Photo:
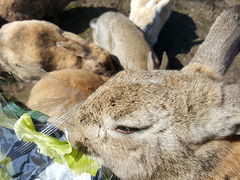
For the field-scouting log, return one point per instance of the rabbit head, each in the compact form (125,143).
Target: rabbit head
(167,124)
(150,16)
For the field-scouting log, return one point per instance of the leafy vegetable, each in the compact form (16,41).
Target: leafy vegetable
(61,151)
(6,168)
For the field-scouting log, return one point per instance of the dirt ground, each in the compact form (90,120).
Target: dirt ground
(180,38)
(186,28)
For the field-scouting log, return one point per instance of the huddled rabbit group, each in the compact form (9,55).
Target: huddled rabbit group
(142,122)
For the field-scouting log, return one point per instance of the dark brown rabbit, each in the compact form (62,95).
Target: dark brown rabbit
(15,10)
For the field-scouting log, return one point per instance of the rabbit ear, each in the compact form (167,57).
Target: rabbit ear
(218,124)
(93,23)
(220,46)
(74,37)
(152,61)
(165,61)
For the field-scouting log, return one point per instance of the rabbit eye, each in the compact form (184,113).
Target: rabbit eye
(128,130)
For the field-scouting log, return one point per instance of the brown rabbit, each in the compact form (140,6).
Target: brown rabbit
(60,90)
(169,125)
(28,46)
(115,33)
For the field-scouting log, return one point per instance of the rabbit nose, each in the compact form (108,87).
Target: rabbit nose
(101,132)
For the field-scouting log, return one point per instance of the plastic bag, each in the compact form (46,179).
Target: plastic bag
(25,160)
(21,160)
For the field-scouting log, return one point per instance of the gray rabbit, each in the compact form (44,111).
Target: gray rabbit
(169,125)
(115,33)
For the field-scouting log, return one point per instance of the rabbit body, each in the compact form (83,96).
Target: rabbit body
(115,33)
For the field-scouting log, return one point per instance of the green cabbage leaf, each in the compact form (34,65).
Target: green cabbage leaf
(61,151)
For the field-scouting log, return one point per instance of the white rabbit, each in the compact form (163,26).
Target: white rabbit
(169,124)
(150,16)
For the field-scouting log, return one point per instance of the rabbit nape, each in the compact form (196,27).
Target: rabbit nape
(169,124)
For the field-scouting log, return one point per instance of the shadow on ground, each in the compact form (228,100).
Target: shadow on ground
(2,22)
(178,36)
(77,20)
